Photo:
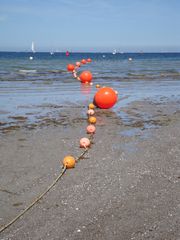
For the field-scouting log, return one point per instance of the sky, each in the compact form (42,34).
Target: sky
(90,25)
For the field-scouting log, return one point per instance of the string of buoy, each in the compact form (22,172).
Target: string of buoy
(104,98)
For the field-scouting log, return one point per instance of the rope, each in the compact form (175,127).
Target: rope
(54,182)
(86,149)
(34,202)
(47,190)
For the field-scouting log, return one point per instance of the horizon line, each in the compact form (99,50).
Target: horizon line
(122,52)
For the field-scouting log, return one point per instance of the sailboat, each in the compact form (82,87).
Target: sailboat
(32,47)
(114,51)
(33,50)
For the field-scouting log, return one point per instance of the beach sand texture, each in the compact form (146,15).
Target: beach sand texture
(126,187)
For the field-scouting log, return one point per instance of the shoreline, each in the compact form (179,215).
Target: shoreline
(126,187)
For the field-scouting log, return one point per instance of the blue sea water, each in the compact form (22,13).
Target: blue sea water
(35,87)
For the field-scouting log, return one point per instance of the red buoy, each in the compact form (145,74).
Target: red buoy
(89,60)
(86,77)
(105,97)
(67,53)
(83,61)
(70,67)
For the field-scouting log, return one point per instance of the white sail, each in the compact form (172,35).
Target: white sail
(32,47)
(114,51)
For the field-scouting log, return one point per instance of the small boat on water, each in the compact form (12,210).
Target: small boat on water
(114,52)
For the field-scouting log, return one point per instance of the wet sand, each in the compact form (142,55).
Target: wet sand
(126,187)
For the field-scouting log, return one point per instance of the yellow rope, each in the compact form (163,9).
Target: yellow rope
(47,190)
(34,202)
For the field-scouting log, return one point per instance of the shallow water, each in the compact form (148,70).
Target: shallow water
(33,89)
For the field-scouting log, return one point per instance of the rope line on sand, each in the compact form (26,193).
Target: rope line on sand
(42,195)
(69,161)
(34,202)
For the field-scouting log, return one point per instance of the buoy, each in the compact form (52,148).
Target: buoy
(98,86)
(90,112)
(86,77)
(89,60)
(83,61)
(105,97)
(69,162)
(92,120)
(70,67)
(74,74)
(84,142)
(91,106)
(67,53)
(91,128)
(78,64)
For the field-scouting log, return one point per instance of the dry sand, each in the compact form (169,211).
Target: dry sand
(126,187)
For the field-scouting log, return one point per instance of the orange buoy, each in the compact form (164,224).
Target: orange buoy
(89,60)
(86,77)
(98,86)
(83,61)
(69,162)
(78,64)
(106,97)
(90,112)
(84,142)
(91,128)
(91,106)
(70,67)
(92,120)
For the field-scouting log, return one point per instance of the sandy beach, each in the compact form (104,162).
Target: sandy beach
(126,187)
(57,60)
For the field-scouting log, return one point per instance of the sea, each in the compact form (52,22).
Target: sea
(36,85)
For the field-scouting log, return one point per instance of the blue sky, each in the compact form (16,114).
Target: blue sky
(90,25)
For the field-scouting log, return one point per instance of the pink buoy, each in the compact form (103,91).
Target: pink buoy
(91,128)
(90,112)
(85,142)
(78,64)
